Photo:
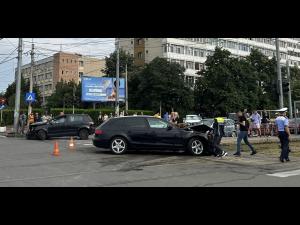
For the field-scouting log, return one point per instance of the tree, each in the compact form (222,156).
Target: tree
(63,95)
(227,84)
(10,94)
(161,82)
(111,61)
(264,70)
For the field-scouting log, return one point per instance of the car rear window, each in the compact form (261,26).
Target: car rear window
(87,118)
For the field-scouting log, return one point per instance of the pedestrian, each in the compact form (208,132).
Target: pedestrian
(22,122)
(157,115)
(31,118)
(44,118)
(105,117)
(243,134)
(218,134)
(100,119)
(166,116)
(283,131)
(37,118)
(61,113)
(265,123)
(256,120)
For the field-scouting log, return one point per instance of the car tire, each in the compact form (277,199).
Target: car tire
(83,134)
(195,146)
(118,145)
(42,135)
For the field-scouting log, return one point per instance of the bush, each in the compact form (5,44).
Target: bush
(8,114)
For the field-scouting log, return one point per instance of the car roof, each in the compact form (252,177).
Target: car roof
(138,116)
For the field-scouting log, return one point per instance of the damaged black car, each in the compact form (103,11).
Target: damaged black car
(146,132)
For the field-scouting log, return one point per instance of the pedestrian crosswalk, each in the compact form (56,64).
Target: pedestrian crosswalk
(286,173)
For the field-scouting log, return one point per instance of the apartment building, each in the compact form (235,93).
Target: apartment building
(62,66)
(191,53)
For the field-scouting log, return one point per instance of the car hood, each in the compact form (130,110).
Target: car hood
(199,128)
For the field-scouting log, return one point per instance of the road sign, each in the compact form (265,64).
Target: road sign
(30,97)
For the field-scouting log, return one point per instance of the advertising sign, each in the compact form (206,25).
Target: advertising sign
(101,89)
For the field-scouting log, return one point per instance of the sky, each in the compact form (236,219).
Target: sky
(45,47)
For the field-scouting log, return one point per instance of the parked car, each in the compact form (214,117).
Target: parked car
(71,125)
(146,132)
(229,128)
(191,120)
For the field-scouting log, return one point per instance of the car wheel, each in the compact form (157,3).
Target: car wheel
(233,134)
(84,134)
(118,145)
(42,135)
(195,146)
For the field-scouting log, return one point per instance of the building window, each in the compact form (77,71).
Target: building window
(189,65)
(80,74)
(139,41)
(62,72)
(146,51)
(81,63)
(63,60)
(140,55)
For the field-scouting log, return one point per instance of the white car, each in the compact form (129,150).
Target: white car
(192,120)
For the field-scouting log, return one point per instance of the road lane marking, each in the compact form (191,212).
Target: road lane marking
(88,144)
(286,174)
(2,136)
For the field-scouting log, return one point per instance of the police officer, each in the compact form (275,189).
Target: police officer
(282,124)
(218,133)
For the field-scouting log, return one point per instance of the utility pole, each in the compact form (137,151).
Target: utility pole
(74,89)
(290,87)
(18,86)
(126,89)
(279,78)
(31,79)
(117,77)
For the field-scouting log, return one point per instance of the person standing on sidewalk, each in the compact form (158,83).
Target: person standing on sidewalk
(243,134)
(282,124)
(256,121)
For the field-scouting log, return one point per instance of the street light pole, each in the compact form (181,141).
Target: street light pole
(126,88)
(117,78)
(279,78)
(31,79)
(290,91)
(18,86)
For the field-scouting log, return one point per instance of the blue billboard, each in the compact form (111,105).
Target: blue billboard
(101,89)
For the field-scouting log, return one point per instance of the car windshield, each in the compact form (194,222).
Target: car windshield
(193,117)
(207,122)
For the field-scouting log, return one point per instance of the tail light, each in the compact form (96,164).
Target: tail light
(98,132)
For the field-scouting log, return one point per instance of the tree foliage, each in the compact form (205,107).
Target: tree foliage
(10,94)
(160,82)
(228,84)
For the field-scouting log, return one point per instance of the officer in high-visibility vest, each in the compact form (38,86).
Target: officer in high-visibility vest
(218,132)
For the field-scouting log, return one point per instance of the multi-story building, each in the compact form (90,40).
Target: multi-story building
(191,53)
(62,66)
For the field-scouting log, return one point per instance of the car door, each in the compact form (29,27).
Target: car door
(57,127)
(164,134)
(137,132)
(72,124)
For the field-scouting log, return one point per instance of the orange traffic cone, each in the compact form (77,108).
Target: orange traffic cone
(56,149)
(71,144)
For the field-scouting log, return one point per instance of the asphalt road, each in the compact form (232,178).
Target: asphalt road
(26,163)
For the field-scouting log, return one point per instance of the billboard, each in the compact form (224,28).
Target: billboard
(101,89)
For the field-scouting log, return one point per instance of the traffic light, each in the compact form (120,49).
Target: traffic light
(285,86)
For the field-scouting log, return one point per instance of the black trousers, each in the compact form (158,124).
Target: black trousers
(216,150)
(284,140)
